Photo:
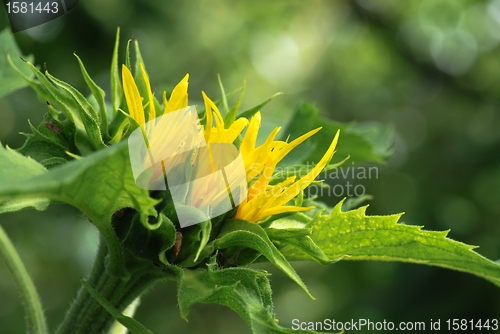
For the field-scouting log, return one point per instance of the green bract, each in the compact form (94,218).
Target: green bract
(78,155)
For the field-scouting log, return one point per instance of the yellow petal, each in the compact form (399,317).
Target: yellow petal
(132,96)
(259,186)
(235,130)
(208,115)
(260,158)
(294,143)
(179,96)
(307,179)
(248,142)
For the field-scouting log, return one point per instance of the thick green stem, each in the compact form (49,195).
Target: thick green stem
(32,305)
(86,315)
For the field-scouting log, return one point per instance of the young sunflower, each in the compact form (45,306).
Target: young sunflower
(263,200)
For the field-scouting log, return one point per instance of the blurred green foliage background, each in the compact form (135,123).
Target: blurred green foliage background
(431,68)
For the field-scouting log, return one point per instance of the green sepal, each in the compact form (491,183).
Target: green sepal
(296,240)
(133,124)
(246,291)
(242,234)
(252,111)
(224,97)
(53,130)
(127,55)
(99,95)
(286,233)
(119,127)
(299,171)
(87,113)
(116,86)
(141,84)
(191,239)
(142,241)
(305,247)
(218,103)
(43,149)
(231,115)
(288,220)
(195,239)
(138,59)
(68,106)
(166,206)
(42,93)
(206,228)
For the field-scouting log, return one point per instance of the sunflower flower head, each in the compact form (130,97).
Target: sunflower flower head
(263,199)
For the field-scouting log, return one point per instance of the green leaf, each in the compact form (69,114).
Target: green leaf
(9,79)
(240,233)
(118,328)
(99,185)
(369,143)
(131,324)
(245,291)
(356,236)
(16,167)
(39,204)
(141,83)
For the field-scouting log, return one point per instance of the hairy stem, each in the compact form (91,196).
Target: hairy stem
(32,305)
(86,314)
